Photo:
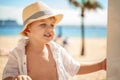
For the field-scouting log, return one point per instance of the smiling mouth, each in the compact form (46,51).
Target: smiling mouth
(48,35)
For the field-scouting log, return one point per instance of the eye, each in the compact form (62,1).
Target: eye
(52,25)
(43,25)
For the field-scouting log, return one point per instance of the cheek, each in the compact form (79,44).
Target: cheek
(38,31)
(34,33)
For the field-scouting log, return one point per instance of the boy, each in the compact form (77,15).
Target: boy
(36,56)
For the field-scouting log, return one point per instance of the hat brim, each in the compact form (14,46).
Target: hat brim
(58,18)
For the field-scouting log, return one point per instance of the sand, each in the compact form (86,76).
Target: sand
(95,50)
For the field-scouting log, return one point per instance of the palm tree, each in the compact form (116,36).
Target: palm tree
(83,5)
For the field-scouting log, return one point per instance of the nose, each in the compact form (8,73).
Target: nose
(50,28)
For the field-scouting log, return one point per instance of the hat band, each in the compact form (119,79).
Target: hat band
(36,15)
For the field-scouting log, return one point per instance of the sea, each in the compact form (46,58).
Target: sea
(65,31)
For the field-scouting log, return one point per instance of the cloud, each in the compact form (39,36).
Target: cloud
(72,17)
(13,13)
(98,17)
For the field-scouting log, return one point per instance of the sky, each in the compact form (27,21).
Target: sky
(12,9)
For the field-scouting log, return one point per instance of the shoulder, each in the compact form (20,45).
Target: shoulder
(19,49)
(15,52)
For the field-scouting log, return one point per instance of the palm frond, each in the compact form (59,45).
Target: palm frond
(86,4)
(94,5)
(75,3)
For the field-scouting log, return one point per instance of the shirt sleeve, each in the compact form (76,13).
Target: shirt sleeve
(69,63)
(11,68)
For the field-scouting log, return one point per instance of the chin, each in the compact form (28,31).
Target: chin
(47,41)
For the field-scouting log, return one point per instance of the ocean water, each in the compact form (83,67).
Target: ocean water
(65,31)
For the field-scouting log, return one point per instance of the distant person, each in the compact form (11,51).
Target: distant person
(65,42)
(37,56)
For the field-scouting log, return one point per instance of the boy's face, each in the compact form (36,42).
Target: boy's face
(42,30)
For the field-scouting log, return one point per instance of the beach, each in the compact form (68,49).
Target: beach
(95,51)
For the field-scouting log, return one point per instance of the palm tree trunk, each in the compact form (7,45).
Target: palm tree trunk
(82,33)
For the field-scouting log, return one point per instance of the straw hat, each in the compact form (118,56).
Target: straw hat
(37,11)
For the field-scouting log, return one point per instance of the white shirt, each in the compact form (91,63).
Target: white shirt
(16,64)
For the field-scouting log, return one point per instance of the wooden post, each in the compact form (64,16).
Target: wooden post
(113,40)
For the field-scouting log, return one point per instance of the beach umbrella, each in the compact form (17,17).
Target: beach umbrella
(84,5)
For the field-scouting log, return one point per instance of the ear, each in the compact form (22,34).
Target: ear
(27,31)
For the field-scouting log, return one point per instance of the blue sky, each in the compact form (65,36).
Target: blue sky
(14,8)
